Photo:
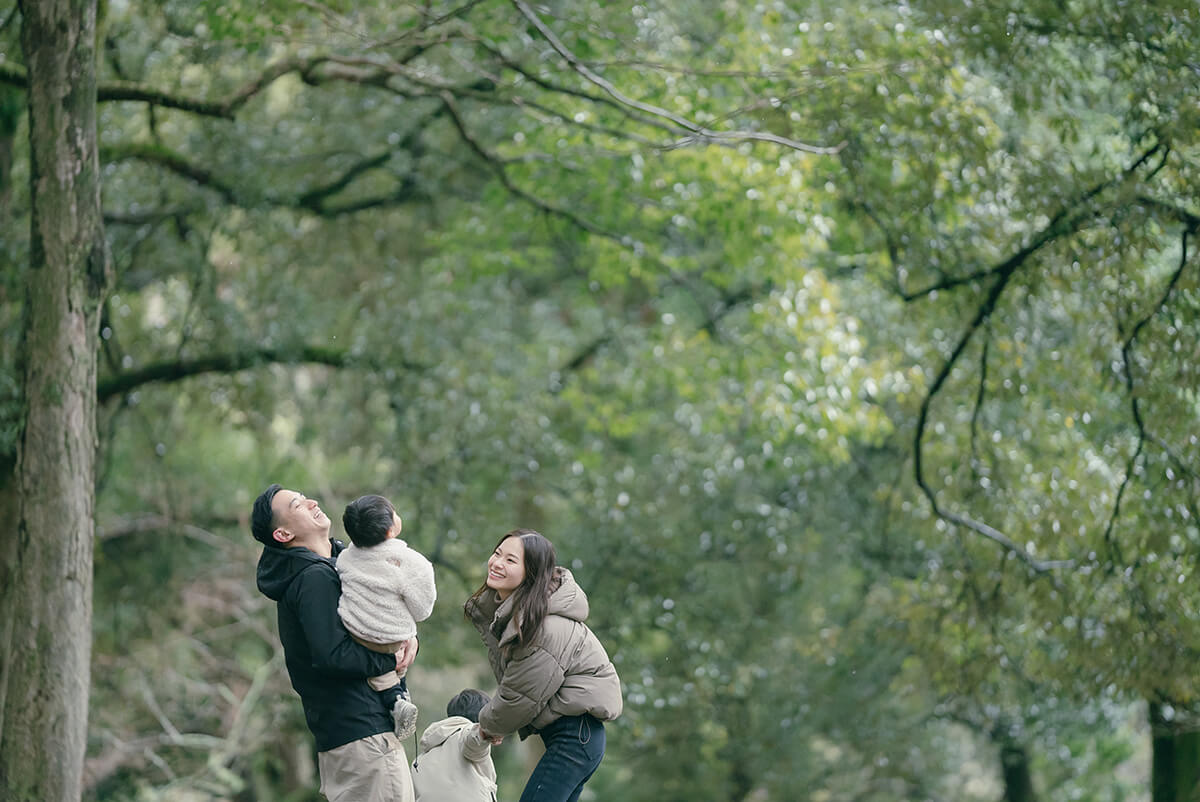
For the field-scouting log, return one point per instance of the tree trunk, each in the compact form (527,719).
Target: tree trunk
(48,490)
(1018,779)
(1175,761)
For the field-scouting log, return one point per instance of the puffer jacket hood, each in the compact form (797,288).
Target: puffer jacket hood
(567,599)
(278,567)
(564,671)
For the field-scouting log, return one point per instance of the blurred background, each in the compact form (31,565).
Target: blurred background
(847,353)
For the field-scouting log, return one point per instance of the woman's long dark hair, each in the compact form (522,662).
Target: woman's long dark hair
(532,597)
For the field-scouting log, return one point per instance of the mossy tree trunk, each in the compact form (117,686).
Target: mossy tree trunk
(47,489)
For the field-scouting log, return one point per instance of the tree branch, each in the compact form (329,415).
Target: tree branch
(980,395)
(695,133)
(16,75)
(1067,221)
(1134,400)
(156,523)
(1189,219)
(550,86)
(163,157)
(408,191)
(177,213)
(730,301)
(312,201)
(497,168)
(177,370)
(313,198)
(982,314)
(427,24)
(12,15)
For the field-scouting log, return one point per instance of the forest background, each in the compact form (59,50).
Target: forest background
(848,354)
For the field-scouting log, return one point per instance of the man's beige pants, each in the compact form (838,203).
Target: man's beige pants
(371,769)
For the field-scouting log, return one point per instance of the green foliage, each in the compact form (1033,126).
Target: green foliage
(431,259)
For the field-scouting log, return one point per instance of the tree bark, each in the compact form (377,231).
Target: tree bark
(48,487)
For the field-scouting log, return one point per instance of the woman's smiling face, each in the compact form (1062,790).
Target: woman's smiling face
(506,567)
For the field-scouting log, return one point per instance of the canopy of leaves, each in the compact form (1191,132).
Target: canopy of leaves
(847,354)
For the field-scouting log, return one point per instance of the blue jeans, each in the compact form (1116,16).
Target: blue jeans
(574,748)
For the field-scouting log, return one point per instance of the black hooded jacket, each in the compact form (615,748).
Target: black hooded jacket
(328,669)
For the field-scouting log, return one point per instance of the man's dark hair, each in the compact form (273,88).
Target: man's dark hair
(262,518)
(467,704)
(367,520)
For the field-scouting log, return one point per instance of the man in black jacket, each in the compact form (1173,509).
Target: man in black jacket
(359,757)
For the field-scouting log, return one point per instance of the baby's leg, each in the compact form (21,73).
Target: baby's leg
(385,681)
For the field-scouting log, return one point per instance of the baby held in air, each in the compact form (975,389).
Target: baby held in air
(387,588)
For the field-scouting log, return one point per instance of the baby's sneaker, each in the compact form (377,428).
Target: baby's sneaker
(404,718)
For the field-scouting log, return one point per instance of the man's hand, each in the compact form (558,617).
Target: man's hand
(496,740)
(407,653)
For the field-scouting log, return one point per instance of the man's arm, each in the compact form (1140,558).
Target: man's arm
(332,649)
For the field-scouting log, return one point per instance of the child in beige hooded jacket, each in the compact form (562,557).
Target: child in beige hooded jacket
(454,760)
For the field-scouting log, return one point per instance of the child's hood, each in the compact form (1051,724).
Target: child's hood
(439,732)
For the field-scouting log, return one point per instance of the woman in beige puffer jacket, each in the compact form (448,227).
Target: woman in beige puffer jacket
(555,678)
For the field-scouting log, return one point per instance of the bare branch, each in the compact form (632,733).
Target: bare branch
(1189,219)
(1066,222)
(312,199)
(120,754)
(985,310)
(149,217)
(156,710)
(119,91)
(550,86)
(12,15)
(558,378)
(225,109)
(155,523)
(982,314)
(696,134)
(233,362)
(428,24)
(407,192)
(234,745)
(155,154)
(497,168)
(729,301)
(114,91)
(980,395)
(1134,400)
